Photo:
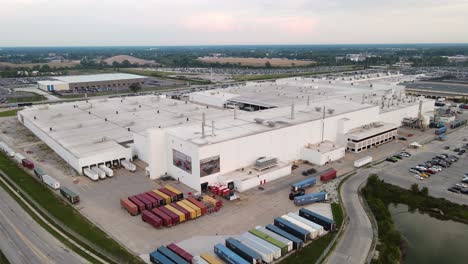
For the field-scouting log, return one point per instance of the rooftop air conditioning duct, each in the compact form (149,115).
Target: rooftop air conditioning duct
(271,123)
(259,120)
(331,111)
(318,108)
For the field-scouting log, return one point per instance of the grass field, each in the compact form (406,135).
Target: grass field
(257,62)
(67,214)
(3,259)
(32,97)
(9,113)
(30,65)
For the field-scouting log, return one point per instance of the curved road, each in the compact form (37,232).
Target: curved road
(355,243)
(23,240)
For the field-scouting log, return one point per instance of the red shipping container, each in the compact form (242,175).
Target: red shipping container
(167,220)
(172,215)
(27,164)
(151,219)
(138,203)
(182,210)
(129,206)
(169,193)
(161,200)
(329,175)
(198,203)
(179,251)
(147,203)
(154,202)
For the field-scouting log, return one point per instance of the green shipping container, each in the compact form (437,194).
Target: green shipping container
(71,196)
(271,240)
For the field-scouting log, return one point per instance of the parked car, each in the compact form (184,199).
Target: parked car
(421,168)
(413,170)
(396,156)
(457,149)
(392,159)
(453,189)
(402,138)
(418,177)
(422,174)
(405,154)
(446,147)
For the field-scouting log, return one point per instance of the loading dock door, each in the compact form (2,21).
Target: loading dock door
(204,187)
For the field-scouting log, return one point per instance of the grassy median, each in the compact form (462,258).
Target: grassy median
(3,259)
(67,215)
(9,113)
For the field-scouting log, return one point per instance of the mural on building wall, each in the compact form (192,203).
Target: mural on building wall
(209,166)
(182,161)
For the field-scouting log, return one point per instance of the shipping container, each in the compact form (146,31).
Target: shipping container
(131,208)
(171,255)
(169,193)
(128,165)
(182,210)
(199,260)
(243,251)
(177,212)
(141,206)
(310,198)
(174,217)
(19,158)
(212,201)
(227,255)
(281,239)
(8,151)
(148,204)
(71,196)
(39,172)
(313,233)
(160,201)
(291,228)
(100,173)
(198,204)
(210,259)
(327,223)
(27,164)
(297,243)
(319,228)
(328,175)
(51,182)
(440,130)
(150,218)
(266,253)
(109,172)
(180,195)
(154,202)
(158,258)
(194,207)
(276,250)
(271,240)
(363,161)
(304,184)
(181,252)
(91,174)
(163,195)
(193,213)
(167,220)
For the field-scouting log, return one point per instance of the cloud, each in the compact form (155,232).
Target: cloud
(210,22)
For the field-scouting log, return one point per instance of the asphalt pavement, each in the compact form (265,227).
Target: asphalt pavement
(22,240)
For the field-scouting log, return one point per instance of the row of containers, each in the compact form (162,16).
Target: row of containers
(40,174)
(260,245)
(167,206)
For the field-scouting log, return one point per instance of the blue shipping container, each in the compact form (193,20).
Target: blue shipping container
(158,258)
(244,251)
(310,198)
(440,130)
(291,228)
(327,223)
(297,243)
(171,255)
(227,255)
(307,183)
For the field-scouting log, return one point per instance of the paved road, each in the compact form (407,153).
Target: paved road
(354,245)
(22,240)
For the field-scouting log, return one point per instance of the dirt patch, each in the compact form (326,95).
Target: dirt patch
(65,64)
(131,59)
(257,62)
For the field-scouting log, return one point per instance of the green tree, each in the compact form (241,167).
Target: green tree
(415,188)
(268,64)
(135,87)
(424,191)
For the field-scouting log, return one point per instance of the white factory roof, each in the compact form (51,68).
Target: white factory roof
(49,82)
(97,77)
(370,130)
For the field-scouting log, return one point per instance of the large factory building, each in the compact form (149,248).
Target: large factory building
(244,135)
(110,80)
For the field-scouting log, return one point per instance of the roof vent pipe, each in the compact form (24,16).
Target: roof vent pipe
(292,110)
(212,128)
(308,100)
(203,125)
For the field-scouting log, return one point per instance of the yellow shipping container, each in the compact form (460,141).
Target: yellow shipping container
(180,195)
(210,259)
(208,199)
(163,195)
(194,207)
(193,213)
(177,212)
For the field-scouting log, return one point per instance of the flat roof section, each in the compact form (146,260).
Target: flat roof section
(370,130)
(98,77)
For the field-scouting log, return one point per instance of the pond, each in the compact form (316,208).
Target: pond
(430,240)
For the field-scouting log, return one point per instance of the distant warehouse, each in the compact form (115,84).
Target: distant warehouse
(95,81)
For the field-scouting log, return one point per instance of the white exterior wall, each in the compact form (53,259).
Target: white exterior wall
(57,86)
(141,147)
(396,116)
(320,158)
(102,157)
(157,153)
(189,149)
(244,185)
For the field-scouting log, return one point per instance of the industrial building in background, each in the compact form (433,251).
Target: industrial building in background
(242,136)
(95,81)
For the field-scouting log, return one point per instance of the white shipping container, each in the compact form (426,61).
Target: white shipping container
(313,233)
(276,236)
(128,165)
(276,250)
(109,172)
(4,147)
(53,183)
(19,158)
(266,254)
(198,260)
(363,161)
(301,219)
(99,172)
(91,174)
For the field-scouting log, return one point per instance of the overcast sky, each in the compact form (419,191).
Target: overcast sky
(217,22)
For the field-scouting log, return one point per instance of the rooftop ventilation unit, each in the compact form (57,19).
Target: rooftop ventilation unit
(259,120)
(271,123)
(318,109)
(331,111)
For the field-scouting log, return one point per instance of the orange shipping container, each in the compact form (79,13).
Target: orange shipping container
(129,206)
